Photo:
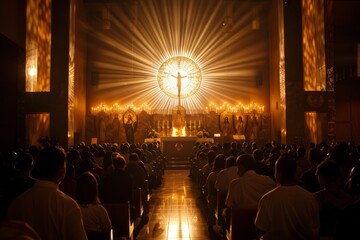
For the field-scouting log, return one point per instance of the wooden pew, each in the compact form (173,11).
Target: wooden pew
(242,226)
(119,214)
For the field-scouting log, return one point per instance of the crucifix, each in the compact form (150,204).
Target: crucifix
(178,77)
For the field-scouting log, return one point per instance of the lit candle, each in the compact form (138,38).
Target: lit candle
(199,123)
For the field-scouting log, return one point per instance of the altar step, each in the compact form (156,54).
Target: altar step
(177,163)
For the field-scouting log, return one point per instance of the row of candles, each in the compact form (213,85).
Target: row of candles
(192,123)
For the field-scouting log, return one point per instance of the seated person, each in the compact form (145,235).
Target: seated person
(94,215)
(48,210)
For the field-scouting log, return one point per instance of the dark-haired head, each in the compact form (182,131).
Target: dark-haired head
(87,189)
(51,163)
(245,162)
(24,162)
(119,162)
(285,169)
(134,157)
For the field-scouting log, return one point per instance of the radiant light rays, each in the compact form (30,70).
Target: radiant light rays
(129,55)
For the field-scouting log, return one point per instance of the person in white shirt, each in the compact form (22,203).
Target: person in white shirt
(51,213)
(246,191)
(288,211)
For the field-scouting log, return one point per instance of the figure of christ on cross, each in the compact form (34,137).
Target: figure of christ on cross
(179,77)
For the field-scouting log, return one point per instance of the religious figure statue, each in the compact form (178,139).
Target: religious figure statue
(178,84)
(255,129)
(226,129)
(240,129)
(129,125)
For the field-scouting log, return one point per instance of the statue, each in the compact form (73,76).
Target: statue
(240,129)
(254,129)
(178,84)
(129,125)
(226,129)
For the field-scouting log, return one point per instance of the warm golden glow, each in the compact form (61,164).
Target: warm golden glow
(178,132)
(315,126)
(116,108)
(145,35)
(239,108)
(36,126)
(38,43)
(190,75)
(282,71)
(71,86)
(313,45)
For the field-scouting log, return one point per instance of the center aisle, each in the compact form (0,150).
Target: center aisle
(174,212)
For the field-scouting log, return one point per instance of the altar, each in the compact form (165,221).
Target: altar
(178,147)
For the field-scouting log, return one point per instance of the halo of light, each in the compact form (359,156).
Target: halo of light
(190,77)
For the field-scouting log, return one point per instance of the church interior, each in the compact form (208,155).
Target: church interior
(179,73)
(76,71)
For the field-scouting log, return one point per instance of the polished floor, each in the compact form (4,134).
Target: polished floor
(175,212)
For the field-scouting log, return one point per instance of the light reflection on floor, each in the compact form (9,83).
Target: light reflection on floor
(173,210)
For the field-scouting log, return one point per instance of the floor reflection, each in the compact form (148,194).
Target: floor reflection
(174,213)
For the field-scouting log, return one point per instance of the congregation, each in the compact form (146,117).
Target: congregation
(279,191)
(287,191)
(69,194)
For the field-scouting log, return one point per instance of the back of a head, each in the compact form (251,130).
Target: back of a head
(73,156)
(286,165)
(258,155)
(51,160)
(86,165)
(219,162)
(214,148)
(24,162)
(301,151)
(272,159)
(119,162)
(211,156)
(328,170)
(137,151)
(202,156)
(133,157)
(246,161)
(248,149)
(231,161)
(86,189)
